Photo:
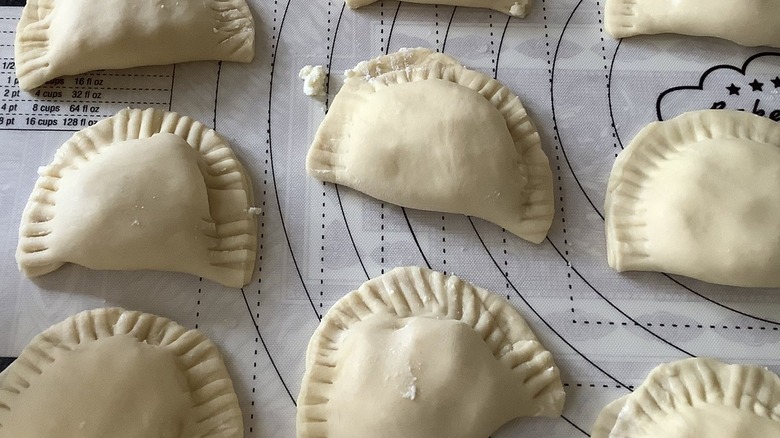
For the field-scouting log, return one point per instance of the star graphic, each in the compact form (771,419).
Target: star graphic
(776,82)
(757,86)
(733,90)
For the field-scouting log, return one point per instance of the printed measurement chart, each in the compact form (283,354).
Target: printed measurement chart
(588,94)
(72,103)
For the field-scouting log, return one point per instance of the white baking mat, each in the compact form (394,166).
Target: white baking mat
(588,94)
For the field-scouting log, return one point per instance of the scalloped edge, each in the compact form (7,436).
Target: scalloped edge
(628,18)
(31,48)
(706,382)
(607,418)
(200,361)
(414,291)
(620,18)
(412,65)
(224,172)
(627,244)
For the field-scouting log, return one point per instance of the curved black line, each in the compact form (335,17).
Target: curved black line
(447,32)
(721,305)
(512,285)
(330,58)
(5,362)
(327,107)
(403,210)
(349,232)
(392,27)
(535,312)
(216,95)
(609,95)
(582,189)
(611,304)
(500,47)
(265,347)
(575,426)
(173,81)
(495,262)
(414,237)
(271,157)
(742,71)
(555,119)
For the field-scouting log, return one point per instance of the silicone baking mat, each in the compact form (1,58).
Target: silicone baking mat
(588,94)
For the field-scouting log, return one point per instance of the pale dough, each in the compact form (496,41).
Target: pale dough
(697,398)
(418,354)
(120,374)
(607,418)
(516,8)
(67,37)
(698,196)
(417,129)
(746,22)
(142,190)
(314,77)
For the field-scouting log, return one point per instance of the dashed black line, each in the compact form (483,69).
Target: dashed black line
(384,49)
(559,182)
(269,163)
(134,75)
(274,51)
(382,237)
(322,249)
(328,49)
(197,303)
(444,243)
(436,26)
(492,46)
(87,102)
(67,87)
(327,107)
(607,68)
(587,196)
(596,385)
(676,325)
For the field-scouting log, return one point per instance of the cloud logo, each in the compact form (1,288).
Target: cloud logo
(755,87)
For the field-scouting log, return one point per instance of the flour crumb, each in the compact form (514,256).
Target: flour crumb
(411,392)
(313,80)
(256,211)
(411,388)
(520,8)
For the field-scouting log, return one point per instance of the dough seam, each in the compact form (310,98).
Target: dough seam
(210,386)
(627,247)
(234,248)
(696,383)
(620,17)
(32,43)
(407,292)
(750,23)
(412,65)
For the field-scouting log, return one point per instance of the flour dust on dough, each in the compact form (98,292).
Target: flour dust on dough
(142,190)
(123,374)
(419,130)
(698,196)
(418,354)
(698,398)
